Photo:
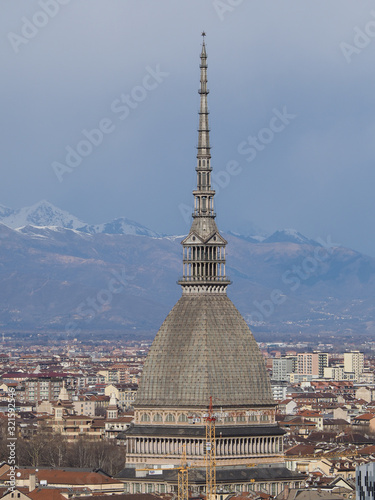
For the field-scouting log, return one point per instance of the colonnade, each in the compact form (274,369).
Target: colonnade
(225,447)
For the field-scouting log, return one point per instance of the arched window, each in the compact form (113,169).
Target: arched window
(170,418)
(145,417)
(157,418)
(182,418)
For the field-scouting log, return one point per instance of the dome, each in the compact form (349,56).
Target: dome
(204,348)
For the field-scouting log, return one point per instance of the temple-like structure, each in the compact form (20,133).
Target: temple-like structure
(204,349)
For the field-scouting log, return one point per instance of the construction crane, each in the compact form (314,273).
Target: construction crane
(183,477)
(210,454)
(210,459)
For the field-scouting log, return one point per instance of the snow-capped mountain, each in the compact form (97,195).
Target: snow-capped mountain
(42,213)
(289,236)
(46,273)
(120,226)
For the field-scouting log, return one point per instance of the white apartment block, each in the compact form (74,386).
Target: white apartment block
(354,362)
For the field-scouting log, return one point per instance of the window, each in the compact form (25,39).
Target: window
(145,417)
(136,488)
(170,418)
(182,418)
(158,418)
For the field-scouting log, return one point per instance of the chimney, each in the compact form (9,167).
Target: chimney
(32,482)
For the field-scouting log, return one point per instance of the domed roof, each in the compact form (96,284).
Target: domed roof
(204,348)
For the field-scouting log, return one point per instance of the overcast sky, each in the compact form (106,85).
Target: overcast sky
(295,79)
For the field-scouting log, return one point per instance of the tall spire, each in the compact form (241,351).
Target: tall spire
(204,247)
(204,195)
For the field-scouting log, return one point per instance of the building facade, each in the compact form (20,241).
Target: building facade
(354,363)
(204,351)
(312,364)
(365,482)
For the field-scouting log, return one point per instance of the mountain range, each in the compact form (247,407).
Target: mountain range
(44,214)
(62,276)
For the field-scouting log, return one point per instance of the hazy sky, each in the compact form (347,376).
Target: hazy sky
(292,105)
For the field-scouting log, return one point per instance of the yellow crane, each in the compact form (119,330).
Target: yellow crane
(182,475)
(210,459)
(183,478)
(210,454)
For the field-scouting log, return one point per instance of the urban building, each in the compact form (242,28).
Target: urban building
(312,364)
(204,365)
(282,368)
(354,363)
(43,387)
(365,481)
(125,394)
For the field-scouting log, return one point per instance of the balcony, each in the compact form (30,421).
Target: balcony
(204,279)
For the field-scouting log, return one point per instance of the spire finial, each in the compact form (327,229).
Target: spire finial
(204,247)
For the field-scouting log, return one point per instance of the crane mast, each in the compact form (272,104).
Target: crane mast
(210,454)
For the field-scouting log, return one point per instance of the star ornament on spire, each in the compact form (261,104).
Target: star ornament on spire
(203,34)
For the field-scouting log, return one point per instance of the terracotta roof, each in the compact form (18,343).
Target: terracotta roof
(300,449)
(46,494)
(309,413)
(125,496)
(365,417)
(367,450)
